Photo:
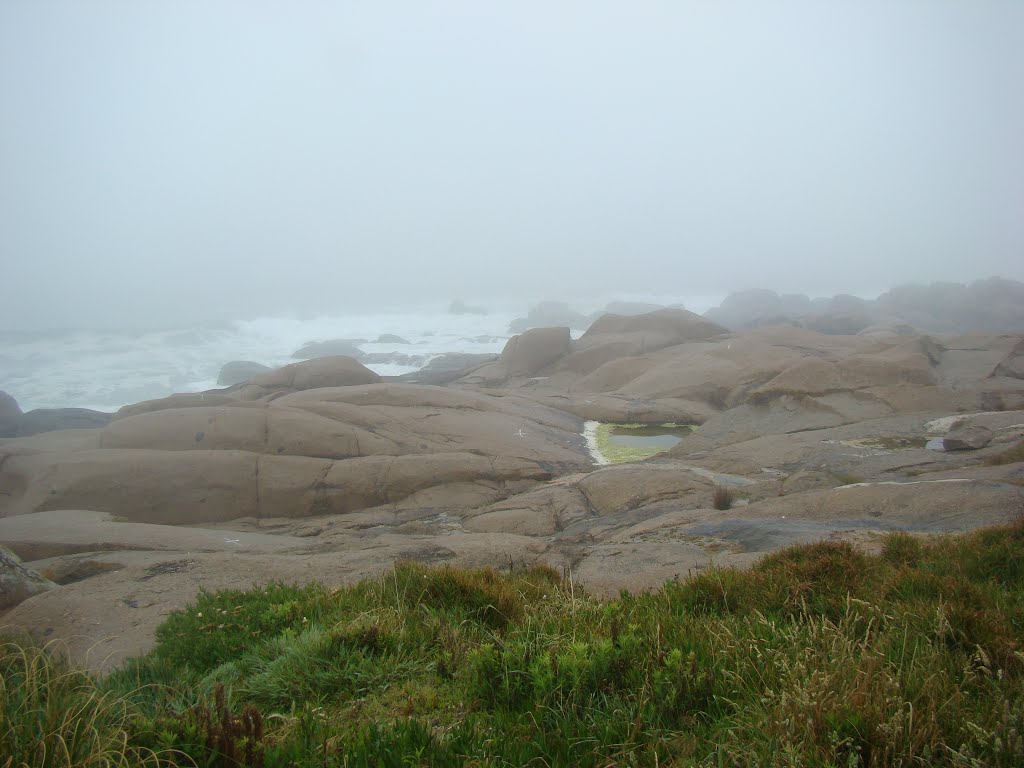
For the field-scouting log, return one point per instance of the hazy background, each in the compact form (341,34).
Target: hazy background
(181,161)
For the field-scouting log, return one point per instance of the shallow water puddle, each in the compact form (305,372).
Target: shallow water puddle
(617,443)
(658,437)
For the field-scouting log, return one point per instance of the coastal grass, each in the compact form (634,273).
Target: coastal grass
(55,716)
(818,655)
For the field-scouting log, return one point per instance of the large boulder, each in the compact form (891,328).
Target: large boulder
(719,374)
(10,415)
(41,420)
(176,487)
(197,487)
(612,337)
(18,583)
(311,452)
(238,371)
(337,371)
(446,368)
(789,413)
(534,350)
(743,308)
(180,400)
(525,355)
(1012,366)
(390,338)
(909,363)
(967,437)
(985,305)
(662,328)
(330,348)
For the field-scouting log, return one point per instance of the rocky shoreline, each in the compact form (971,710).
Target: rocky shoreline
(323,470)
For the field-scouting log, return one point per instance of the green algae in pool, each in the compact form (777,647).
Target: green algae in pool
(633,442)
(646,436)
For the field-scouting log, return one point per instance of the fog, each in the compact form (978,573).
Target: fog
(186,161)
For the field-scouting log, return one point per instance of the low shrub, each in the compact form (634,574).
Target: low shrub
(722,497)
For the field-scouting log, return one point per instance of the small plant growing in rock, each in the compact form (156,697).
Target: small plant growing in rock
(722,498)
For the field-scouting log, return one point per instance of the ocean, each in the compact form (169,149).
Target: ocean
(104,370)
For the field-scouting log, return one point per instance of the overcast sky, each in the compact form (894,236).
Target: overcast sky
(174,161)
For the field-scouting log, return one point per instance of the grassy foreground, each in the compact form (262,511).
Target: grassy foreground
(818,656)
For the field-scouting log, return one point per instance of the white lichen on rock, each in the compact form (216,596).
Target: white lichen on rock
(590,435)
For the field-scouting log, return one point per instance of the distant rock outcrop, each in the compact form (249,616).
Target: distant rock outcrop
(390,338)
(986,305)
(446,368)
(664,327)
(549,314)
(14,423)
(237,371)
(611,340)
(629,308)
(331,348)
(459,307)
(618,336)
(744,309)
(392,358)
(333,371)
(10,415)
(41,420)
(839,324)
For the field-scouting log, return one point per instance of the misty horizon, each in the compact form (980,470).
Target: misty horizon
(166,165)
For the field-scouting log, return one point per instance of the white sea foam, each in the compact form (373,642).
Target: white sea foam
(104,370)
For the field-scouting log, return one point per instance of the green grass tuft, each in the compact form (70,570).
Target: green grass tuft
(55,716)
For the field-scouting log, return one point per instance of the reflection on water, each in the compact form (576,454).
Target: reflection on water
(657,437)
(643,441)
